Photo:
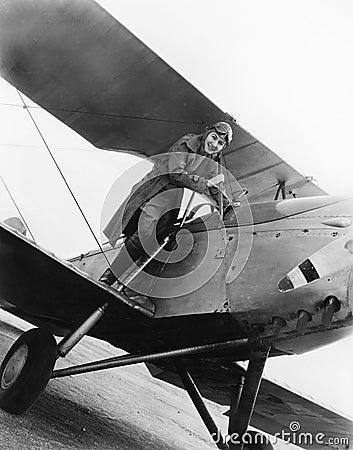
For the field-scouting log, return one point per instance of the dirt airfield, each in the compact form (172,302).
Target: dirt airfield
(121,408)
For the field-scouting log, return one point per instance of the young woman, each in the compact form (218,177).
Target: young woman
(150,211)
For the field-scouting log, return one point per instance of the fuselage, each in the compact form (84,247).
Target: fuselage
(236,267)
(286,235)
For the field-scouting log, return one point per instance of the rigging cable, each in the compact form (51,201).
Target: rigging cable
(18,209)
(27,107)
(93,113)
(263,191)
(60,171)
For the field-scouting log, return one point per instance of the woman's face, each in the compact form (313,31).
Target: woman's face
(214,143)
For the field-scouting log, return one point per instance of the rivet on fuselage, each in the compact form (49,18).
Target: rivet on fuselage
(303,318)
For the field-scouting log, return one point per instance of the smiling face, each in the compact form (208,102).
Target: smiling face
(214,143)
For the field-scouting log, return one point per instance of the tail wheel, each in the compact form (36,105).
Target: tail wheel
(26,370)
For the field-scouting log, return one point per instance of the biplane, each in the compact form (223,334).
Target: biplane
(292,294)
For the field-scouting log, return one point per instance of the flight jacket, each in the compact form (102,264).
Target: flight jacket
(176,168)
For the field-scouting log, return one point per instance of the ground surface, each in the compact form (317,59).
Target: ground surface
(121,408)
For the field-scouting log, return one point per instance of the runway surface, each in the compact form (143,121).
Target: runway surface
(121,408)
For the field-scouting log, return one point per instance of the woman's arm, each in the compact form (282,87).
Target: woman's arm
(179,176)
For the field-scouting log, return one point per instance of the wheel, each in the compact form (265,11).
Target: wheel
(26,370)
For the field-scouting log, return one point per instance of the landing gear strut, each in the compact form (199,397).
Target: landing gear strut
(197,400)
(29,364)
(240,418)
(243,398)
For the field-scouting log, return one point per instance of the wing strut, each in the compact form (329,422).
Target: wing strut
(281,190)
(197,400)
(239,419)
(235,396)
(243,398)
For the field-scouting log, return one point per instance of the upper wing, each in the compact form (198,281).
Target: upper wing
(76,61)
(276,407)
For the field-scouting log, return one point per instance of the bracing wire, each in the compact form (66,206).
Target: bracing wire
(223,160)
(263,191)
(103,114)
(40,147)
(28,107)
(59,170)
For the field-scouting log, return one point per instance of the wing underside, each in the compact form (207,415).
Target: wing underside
(84,67)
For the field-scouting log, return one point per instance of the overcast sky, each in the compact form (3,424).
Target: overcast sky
(284,69)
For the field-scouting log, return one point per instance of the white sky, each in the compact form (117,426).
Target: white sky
(282,68)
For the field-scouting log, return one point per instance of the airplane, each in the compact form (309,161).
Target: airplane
(294,290)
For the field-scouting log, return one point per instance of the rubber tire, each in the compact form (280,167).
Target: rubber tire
(35,373)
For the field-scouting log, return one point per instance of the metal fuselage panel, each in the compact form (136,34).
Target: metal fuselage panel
(299,230)
(283,234)
(45,290)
